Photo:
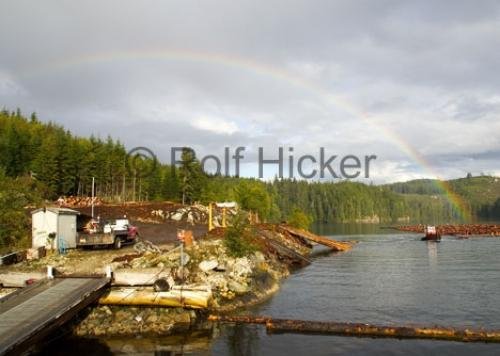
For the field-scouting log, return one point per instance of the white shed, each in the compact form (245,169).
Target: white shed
(60,222)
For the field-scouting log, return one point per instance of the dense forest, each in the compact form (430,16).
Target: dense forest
(482,193)
(42,161)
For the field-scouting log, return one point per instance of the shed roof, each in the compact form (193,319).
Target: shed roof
(59,211)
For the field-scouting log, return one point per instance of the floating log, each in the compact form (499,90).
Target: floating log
(334,245)
(185,298)
(19,279)
(364,330)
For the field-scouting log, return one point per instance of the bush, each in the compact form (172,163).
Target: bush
(238,238)
(15,195)
(299,219)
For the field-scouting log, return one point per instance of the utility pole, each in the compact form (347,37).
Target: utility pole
(93,182)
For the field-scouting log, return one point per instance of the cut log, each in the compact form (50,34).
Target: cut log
(365,330)
(143,277)
(195,299)
(192,287)
(334,245)
(19,279)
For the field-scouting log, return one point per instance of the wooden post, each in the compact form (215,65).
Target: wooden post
(210,219)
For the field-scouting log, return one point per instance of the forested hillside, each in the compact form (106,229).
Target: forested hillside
(482,194)
(44,161)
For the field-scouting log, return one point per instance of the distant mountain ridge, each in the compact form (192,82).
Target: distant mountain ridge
(481,193)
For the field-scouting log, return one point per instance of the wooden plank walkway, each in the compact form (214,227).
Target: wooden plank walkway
(34,312)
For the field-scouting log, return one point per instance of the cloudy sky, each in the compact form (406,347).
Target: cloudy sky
(414,82)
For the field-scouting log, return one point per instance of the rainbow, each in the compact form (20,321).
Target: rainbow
(254,67)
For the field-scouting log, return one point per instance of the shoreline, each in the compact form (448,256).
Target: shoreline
(214,278)
(120,321)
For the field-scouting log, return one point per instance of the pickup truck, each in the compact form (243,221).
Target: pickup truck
(113,233)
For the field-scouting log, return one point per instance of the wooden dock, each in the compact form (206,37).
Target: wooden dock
(30,314)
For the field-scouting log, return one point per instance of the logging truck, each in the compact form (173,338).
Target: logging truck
(115,233)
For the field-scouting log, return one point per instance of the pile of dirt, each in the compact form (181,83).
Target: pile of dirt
(160,213)
(134,211)
(166,232)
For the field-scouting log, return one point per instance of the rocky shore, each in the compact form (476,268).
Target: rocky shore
(235,282)
(106,320)
(207,264)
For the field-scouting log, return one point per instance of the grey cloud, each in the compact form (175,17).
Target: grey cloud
(301,73)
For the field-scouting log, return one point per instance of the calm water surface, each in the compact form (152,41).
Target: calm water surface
(388,278)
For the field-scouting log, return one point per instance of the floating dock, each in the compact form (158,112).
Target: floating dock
(30,314)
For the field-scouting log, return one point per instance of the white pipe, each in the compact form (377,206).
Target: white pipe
(50,272)
(108,271)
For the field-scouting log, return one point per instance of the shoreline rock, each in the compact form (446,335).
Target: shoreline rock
(235,282)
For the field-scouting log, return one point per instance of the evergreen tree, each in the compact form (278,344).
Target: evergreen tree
(192,177)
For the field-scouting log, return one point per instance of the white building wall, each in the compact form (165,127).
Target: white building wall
(42,225)
(47,222)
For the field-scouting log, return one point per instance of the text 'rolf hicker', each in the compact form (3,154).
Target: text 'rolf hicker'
(307,166)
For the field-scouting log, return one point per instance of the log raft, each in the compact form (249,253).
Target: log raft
(456,230)
(364,330)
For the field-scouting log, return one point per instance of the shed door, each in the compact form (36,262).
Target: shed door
(67,230)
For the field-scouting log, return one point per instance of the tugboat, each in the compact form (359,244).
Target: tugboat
(431,234)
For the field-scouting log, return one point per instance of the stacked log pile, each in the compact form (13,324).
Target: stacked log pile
(457,230)
(78,202)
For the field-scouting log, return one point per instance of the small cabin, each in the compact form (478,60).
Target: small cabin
(54,228)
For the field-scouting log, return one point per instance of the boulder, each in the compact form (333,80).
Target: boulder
(217,281)
(242,267)
(237,287)
(177,216)
(190,218)
(208,265)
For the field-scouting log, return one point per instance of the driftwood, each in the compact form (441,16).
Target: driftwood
(19,279)
(185,298)
(334,245)
(365,330)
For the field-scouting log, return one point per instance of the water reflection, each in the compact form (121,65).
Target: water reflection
(191,343)
(242,339)
(432,253)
